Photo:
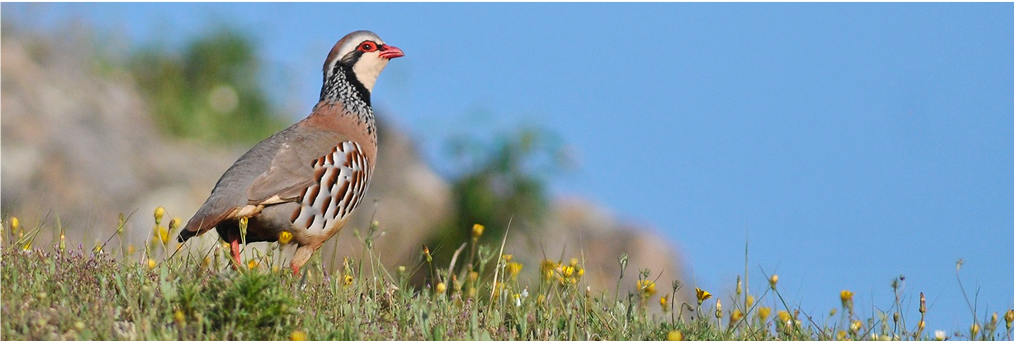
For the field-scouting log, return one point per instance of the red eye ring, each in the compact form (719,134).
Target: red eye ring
(368,46)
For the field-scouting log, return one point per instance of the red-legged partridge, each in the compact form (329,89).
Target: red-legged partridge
(308,178)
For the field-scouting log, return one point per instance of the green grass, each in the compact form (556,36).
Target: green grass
(51,292)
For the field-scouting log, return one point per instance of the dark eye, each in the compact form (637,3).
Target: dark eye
(368,46)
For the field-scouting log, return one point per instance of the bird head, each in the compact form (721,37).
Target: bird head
(362,52)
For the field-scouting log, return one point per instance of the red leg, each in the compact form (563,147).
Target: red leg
(235,253)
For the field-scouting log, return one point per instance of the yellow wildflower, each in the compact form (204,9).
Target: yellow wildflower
(1009,318)
(15,224)
(175,224)
(735,316)
(568,271)
(846,299)
(513,268)
(347,280)
(749,301)
(974,330)
(441,288)
(159,212)
(646,287)
(856,325)
(284,237)
(773,281)
(702,296)
(477,231)
(784,316)
(573,262)
(252,264)
(151,263)
(763,313)
(473,276)
(674,335)
(840,335)
(297,336)
(508,258)
(163,235)
(664,302)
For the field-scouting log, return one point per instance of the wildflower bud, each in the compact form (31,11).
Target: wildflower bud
(252,264)
(763,313)
(922,303)
(477,231)
(784,316)
(921,325)
(151,263)
(897,316)
(179,317)
(297,336)
(159,212)
(507,258)
(426,254)
(974,330)
(992,322)
(674,335)
(833,312)
(1009,318)
(15,224)
(718,308)
(573,262)
(63,241)
(749,301)
(243,223)
(773,281)
(623,262)
(664,303)
(401,269)
(174,224)
(163,236)
(940,335)
(739,286)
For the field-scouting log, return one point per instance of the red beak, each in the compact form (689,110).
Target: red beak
(390,52)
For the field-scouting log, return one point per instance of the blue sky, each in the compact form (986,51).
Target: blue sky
(851,143)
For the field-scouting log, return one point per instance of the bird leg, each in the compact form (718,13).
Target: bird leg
(302,255)
(235,253)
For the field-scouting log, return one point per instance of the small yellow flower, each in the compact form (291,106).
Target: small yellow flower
(784,316)
(15,224)
(441,288)
(159,212)
(735,316)
(513,268)
(763,313)
(252,264)
(846,298)
(473,276)
(773,281)
(131,250)
(568,271)
(674,335)
(63,241)
(646,287)
(702,296)
(347,280)
(97,249)
(151,263)
(856,325)
(507,258)
(477,231)
(749,301)
(974,330)
(175,224)
(163,235)
(664,302)
(297,336)
(179,317)
(284,237)
(840,335)
(573,262)
(1009,318)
